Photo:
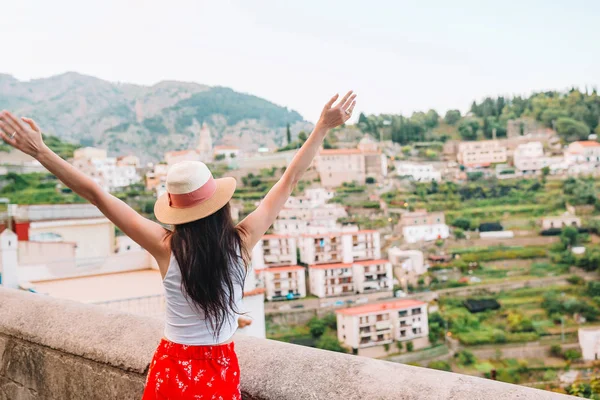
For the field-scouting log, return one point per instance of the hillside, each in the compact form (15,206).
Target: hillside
(146,120)
(574,115)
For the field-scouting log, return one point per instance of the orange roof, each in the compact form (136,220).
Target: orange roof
(371,262)
(273,236)
(286,268)
(179,152)
(339,152)
(372,308)
(254,292)
(588,143)
(225,147)
(330,266)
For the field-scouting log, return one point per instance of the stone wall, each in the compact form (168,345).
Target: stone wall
(56,349)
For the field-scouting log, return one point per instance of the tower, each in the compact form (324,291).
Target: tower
(205,147)
(8,259)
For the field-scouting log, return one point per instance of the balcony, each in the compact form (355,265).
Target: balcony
(56,349)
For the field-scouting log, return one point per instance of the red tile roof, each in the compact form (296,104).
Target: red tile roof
(179,152)
(330,266)
(225,147)
(372,308)
(254,292)
(588,143)
(339,152)
(286,268)
(371,262)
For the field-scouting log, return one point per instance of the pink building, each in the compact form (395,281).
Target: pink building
(336,166)
(367,329)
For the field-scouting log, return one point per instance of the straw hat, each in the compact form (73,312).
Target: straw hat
(192,193)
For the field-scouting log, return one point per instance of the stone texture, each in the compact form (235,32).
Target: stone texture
(54,349)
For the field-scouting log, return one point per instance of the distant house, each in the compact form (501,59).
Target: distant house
(421,225)
(336,166)
(561,221)
(226,152)
(418,172)
(583,152)
(589,341)
(482,153)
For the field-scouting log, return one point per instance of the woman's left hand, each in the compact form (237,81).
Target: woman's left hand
(22,134)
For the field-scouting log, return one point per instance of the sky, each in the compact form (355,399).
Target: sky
(399,56)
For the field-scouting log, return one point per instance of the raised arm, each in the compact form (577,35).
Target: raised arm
(256,224)
(24,134)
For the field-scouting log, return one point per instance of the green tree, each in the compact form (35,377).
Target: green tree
(302,136)
(571,129)
(462,222)
(410,346)
(370,180)
(317,327)
(330,343)
(288,133)
(465,357)
(452,117)
(468,129)
(569,236)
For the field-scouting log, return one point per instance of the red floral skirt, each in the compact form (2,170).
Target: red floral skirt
(184,372)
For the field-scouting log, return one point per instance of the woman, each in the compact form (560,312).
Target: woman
(203,260)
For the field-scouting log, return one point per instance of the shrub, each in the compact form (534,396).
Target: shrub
(410,346)
(399,345)
(465,357)
(556,350)
(441,365)
(572,355)
(459,233)
(386,347)
(317,327)
(575,280)
(330,343)
(370,180)
(462,223)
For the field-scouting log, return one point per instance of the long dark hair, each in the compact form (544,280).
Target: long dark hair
(209,252)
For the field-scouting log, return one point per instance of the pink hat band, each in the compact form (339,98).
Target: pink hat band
(187,200)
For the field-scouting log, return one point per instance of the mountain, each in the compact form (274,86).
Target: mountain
(146,120)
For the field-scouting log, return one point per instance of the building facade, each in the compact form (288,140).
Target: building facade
(285,283)
(421,225)
(274,251)
(583,152)
(589,341)
(367,329)
(417,171)
(481,153)
(561,221)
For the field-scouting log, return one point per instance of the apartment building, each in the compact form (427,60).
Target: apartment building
(583,152)
(336,166)
(106,171)
(287,282)
(418,172)
(421,225)
(367,329)
(529,159)
(274,251)
(341,246)
(481,153)
(157,176)
(408,260)
(338,279)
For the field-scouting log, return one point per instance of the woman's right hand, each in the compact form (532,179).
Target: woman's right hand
(22,134)
(334,116)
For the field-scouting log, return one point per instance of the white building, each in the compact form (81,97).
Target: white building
(287,282)
(105,171)
(340,247)
(589,341)
(421,225)
(411,261)
(227,152)
(418,172)
(274,251)
(367,329)
(253,307)
(529,159)
(583,152)
(481,153)
(561,221)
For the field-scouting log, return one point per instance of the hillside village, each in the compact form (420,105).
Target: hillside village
(468,243)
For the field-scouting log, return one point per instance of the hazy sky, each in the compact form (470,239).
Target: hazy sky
(399,56)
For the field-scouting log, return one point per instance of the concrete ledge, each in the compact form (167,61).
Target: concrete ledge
(54,349)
